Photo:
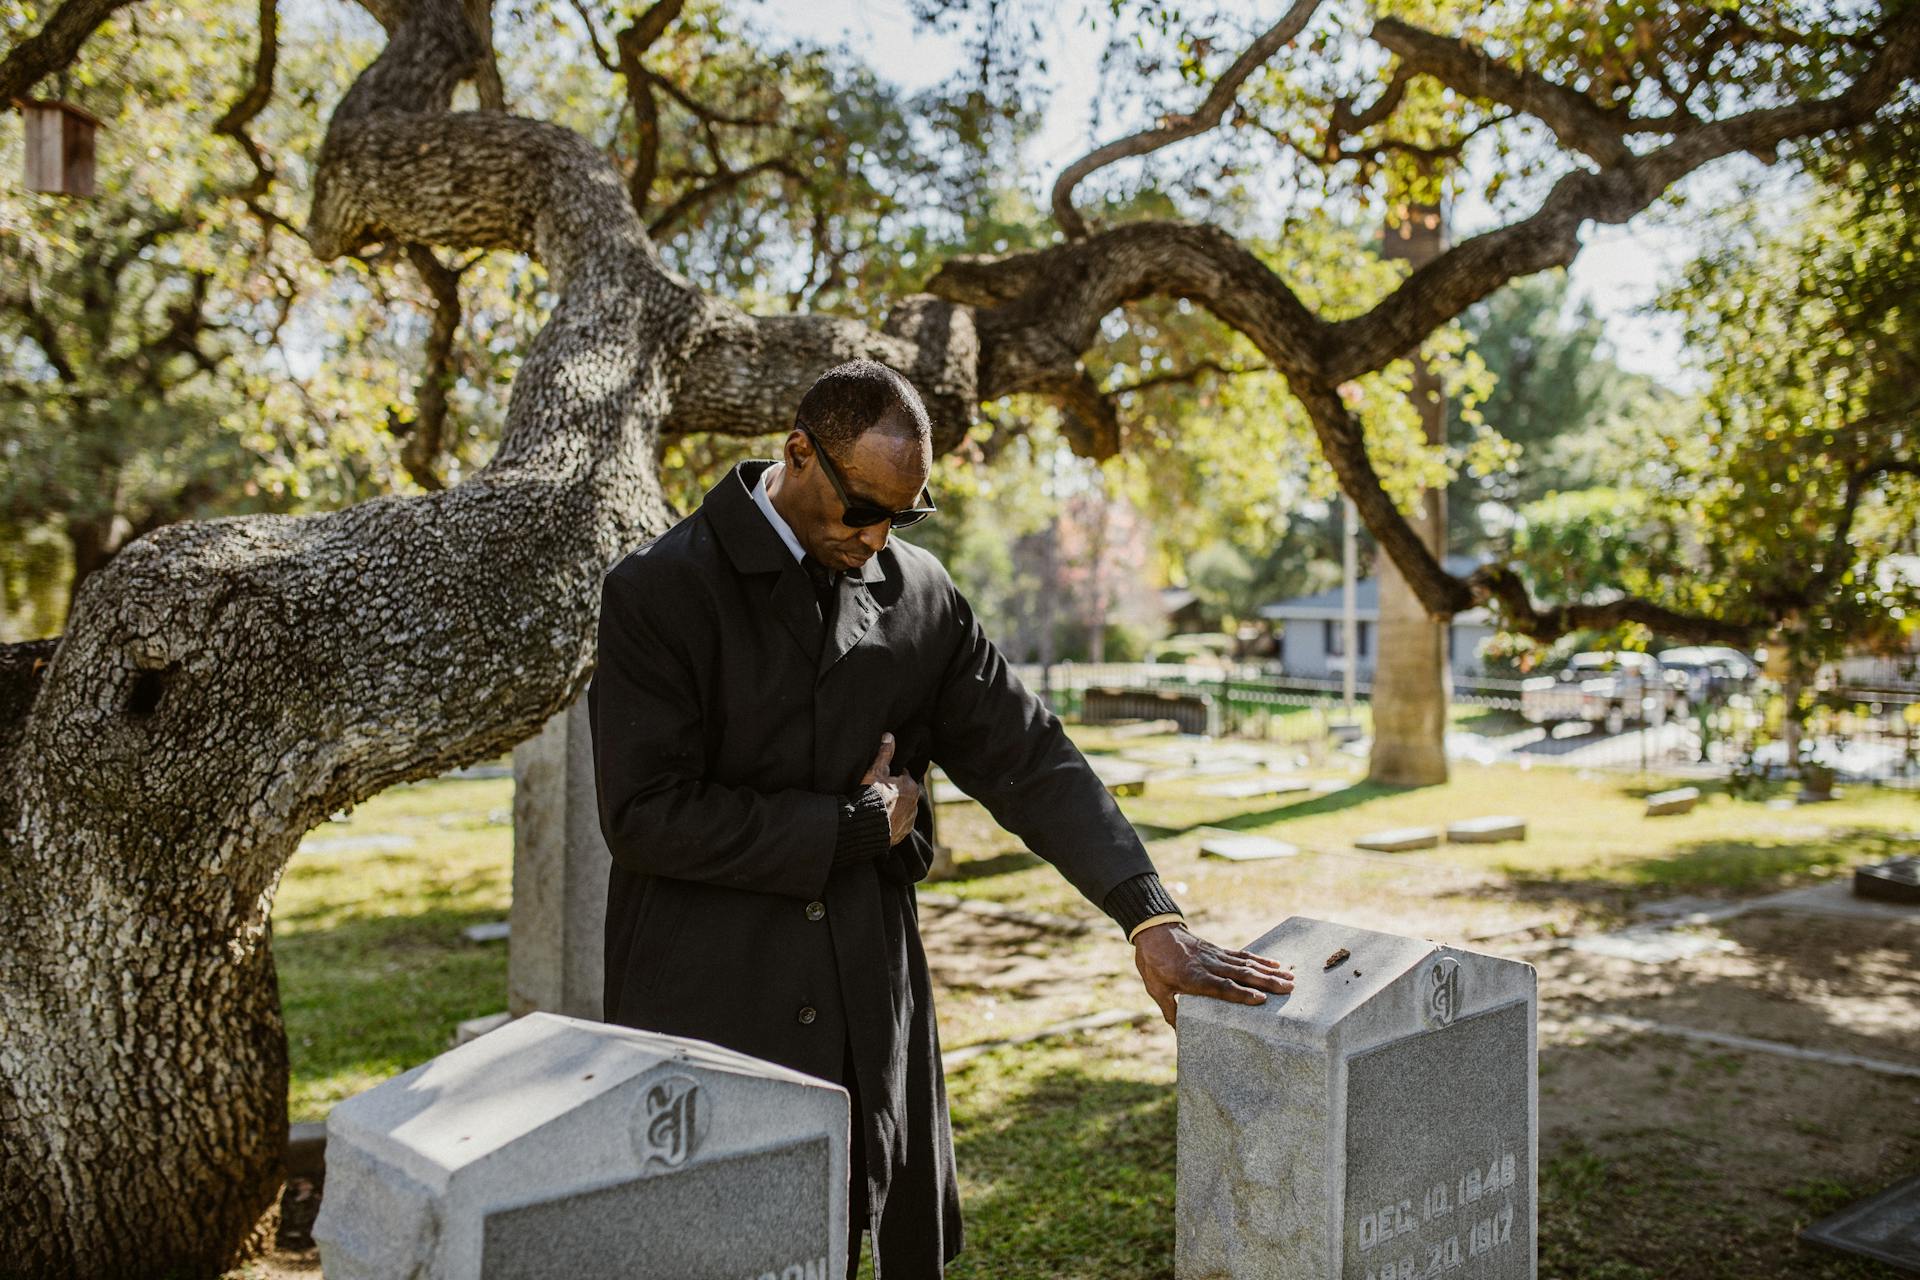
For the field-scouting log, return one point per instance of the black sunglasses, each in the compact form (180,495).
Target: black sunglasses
(862,513)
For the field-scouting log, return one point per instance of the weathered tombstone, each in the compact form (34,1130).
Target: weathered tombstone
(1678,800)
(1399,840)
(1379,1122)
(560,862)
(561,1147)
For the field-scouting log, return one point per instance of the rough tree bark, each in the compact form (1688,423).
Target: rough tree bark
(225,685)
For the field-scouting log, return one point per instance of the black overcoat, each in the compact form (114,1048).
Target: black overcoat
(727,728)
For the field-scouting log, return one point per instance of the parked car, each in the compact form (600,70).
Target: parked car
(1611,688)
(1709,673)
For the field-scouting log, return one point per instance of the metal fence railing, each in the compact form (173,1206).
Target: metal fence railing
(1860,734)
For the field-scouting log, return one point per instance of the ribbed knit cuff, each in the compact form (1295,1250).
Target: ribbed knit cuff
(1140,898)
(865,833)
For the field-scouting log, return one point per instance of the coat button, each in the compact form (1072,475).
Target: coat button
(816,910)
(807,1015)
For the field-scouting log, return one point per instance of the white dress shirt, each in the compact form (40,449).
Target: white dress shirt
(780,526)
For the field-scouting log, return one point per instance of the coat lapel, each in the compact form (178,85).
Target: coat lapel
(853,614)
(753,546)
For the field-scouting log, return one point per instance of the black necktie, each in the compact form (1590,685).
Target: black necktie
(823,584)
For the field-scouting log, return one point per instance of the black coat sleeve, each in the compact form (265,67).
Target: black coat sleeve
(1002,746)
(659,815)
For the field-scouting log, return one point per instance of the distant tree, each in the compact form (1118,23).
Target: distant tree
(1556,393)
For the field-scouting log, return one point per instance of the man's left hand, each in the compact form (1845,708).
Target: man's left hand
(1173,961)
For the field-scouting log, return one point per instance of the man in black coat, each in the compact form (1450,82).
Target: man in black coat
(764,666)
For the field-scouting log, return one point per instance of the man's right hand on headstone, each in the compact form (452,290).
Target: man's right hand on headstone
(901,789)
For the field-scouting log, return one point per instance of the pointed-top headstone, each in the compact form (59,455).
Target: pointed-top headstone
(1377,1124)
(558,1146)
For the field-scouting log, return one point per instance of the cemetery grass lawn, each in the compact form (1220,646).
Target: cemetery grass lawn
(374,974)
(1659,1158)
(1065,1154)
(1590,854)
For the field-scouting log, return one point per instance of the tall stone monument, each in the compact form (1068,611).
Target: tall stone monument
(1379,1123)
(555,1146)
(560,862)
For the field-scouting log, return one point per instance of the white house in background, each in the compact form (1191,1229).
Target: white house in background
(1311,633)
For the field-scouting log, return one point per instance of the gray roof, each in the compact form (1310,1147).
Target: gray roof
(1366,600)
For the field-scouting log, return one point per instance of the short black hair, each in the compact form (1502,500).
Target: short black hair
(848,400)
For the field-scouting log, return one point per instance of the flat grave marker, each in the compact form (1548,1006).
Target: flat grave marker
(1399,840)
(1492,830)
(1237,846)
(1679,800)
(1251,788)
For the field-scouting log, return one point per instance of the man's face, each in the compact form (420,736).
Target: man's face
(886,467)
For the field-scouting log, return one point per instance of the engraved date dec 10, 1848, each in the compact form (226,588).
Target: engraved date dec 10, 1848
(1484,1225)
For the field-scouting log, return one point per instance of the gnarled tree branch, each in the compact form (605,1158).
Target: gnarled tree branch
(54,46)
(1476,267)
(1206,116)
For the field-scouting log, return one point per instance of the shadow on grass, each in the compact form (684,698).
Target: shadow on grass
(1491,721)
(1066,1175)
(371,996)
(1312,807)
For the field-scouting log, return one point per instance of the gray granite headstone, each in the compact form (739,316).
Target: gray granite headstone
(560,861)
(1885,1227)
(556,1146)
(1380,1122)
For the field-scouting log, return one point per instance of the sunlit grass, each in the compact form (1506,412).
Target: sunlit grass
(374,974)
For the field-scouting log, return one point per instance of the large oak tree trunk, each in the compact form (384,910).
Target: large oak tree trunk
(1411,689)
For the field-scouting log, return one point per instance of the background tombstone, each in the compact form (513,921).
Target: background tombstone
(560,1147)
(560,861)
(1380,1123)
